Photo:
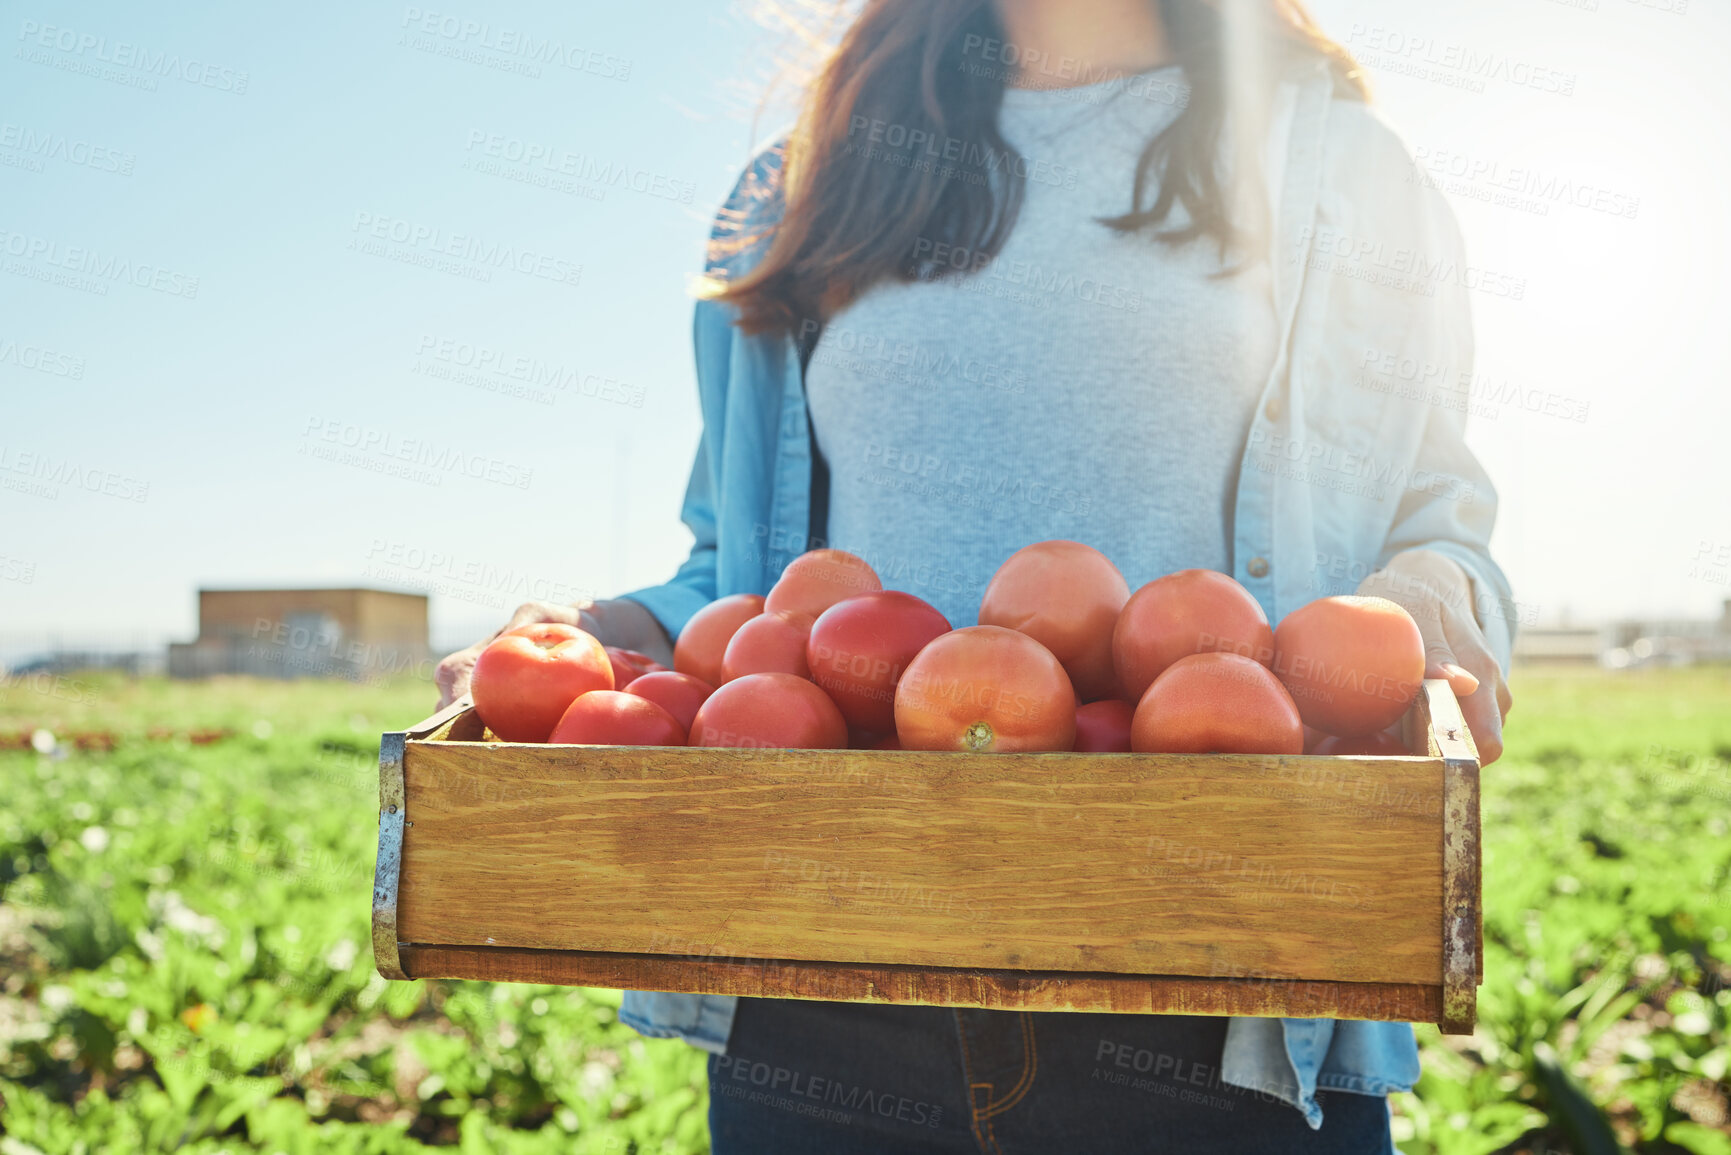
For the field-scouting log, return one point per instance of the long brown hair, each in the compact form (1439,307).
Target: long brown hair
(897,149)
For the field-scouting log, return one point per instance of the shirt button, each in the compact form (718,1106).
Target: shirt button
(1257,567)
(1273,409)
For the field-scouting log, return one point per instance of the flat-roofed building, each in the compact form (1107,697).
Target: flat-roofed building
(306,633)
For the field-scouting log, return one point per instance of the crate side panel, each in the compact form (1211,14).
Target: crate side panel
(1321,869)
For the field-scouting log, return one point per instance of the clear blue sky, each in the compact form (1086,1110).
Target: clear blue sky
(358,240)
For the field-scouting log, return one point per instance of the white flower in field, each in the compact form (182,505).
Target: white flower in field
(42,741)
(175,914)
(1692,1023)
(262,729)
(594,1079)
(94,839)
(342,955)
(57,998)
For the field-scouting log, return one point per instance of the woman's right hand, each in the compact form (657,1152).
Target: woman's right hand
(620,622)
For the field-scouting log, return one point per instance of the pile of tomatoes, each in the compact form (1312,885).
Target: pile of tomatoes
(1065,658)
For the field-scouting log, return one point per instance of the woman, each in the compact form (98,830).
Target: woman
(1123,271)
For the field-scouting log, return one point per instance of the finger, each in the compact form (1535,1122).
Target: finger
(1439,659)
(459,683)
(1482,709)
(1468,641)
(1462,681)
(1485,721)
(452,675)
(533,613)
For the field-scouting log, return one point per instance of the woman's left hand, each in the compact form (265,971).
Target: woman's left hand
(1438,594)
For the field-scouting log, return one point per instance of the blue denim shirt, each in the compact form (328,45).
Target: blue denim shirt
(1356,453)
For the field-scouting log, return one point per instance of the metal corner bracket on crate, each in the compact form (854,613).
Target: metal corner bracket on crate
(393,819)
(1463,925)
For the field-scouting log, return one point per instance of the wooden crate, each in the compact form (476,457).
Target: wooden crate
(1307,887)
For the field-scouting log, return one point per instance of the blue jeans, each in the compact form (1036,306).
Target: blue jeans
(853,1079)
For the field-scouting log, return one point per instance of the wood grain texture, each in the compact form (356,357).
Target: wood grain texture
(1290,868)
(999,990)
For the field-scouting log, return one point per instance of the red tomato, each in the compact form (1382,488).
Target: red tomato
(1066,596)
(778,711)
(617,718)
(678,694)
(1377,744)
(524,680)
(1353,664)
(1193,611)
(818,579)
(985,689)
(629,665)
(859,648)
(1216,704)
(771,643)
(1103,727)
(704,639)
(887,742)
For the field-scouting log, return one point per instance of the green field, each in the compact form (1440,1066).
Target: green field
(186,957)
